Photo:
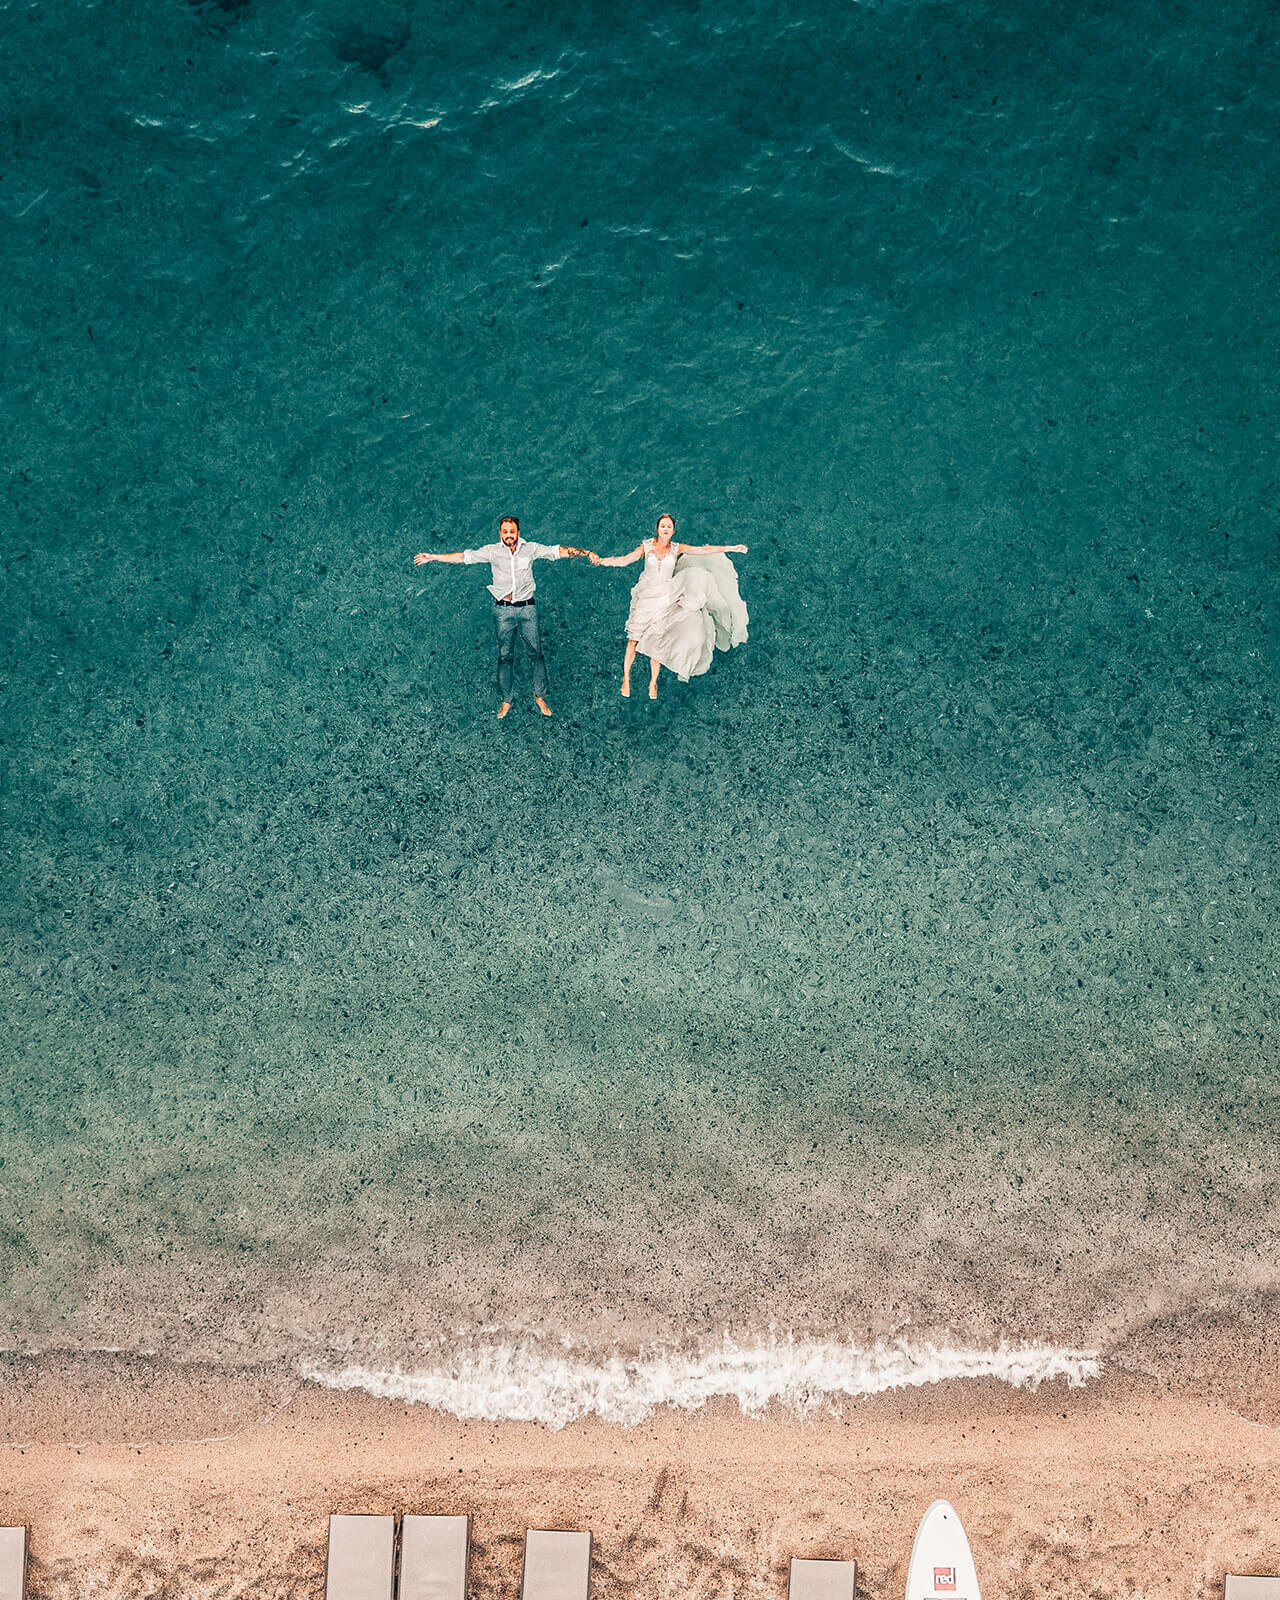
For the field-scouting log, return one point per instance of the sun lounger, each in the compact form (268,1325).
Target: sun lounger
(1244,1588)
(362,1558)
(822,1580)
(557,1566)
(433,1558)
(13,1563)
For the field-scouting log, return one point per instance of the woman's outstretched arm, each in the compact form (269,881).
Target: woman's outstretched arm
(712,549)
(619,561)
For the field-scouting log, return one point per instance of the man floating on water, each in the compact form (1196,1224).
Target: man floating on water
(515,604)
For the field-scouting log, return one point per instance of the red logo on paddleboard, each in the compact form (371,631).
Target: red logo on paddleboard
(944,1580)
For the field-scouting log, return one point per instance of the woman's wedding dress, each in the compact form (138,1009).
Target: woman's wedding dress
(685,609)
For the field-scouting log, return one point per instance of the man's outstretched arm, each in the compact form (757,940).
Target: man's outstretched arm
(572,550)
(423,556)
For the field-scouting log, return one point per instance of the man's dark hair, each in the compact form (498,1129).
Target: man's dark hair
(516,520)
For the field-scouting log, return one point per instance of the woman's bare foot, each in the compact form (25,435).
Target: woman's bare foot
(626,687)
(653,691)
(542,705)
(504,708)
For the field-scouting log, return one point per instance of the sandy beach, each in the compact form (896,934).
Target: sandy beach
(1131,1486)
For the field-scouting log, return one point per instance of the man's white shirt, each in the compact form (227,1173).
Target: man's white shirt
(512,569)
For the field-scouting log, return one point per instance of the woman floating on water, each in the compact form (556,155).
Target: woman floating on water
(685,606)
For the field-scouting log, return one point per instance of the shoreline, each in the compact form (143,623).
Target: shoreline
(1133,1484)
(1227,1352)
(520,1382)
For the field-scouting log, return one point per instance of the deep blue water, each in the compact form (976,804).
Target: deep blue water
(911,974)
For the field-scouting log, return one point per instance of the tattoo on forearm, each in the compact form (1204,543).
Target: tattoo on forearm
(571,550)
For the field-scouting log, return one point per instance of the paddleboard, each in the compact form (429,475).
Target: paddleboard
(941,1560)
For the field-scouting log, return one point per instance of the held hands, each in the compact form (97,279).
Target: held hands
(593,558)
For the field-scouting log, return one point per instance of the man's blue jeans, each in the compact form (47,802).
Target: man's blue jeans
(524,621)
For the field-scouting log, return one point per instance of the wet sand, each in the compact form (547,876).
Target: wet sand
(1132,1486)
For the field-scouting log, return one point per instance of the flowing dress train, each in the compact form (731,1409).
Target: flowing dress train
(685,609)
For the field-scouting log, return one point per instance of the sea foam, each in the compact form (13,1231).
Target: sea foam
(528,1383)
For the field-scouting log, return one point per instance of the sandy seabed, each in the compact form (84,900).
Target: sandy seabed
(1131,1486)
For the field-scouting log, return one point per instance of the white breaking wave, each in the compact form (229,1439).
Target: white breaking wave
(526,1383)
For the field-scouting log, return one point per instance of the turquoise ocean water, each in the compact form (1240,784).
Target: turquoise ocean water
(900,993)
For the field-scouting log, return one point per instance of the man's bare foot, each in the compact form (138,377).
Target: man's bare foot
(542,705)
(504,708)
(626,687)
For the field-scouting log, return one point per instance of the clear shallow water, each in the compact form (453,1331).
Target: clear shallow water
(913,976)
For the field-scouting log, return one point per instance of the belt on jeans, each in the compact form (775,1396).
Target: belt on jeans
(532,600)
